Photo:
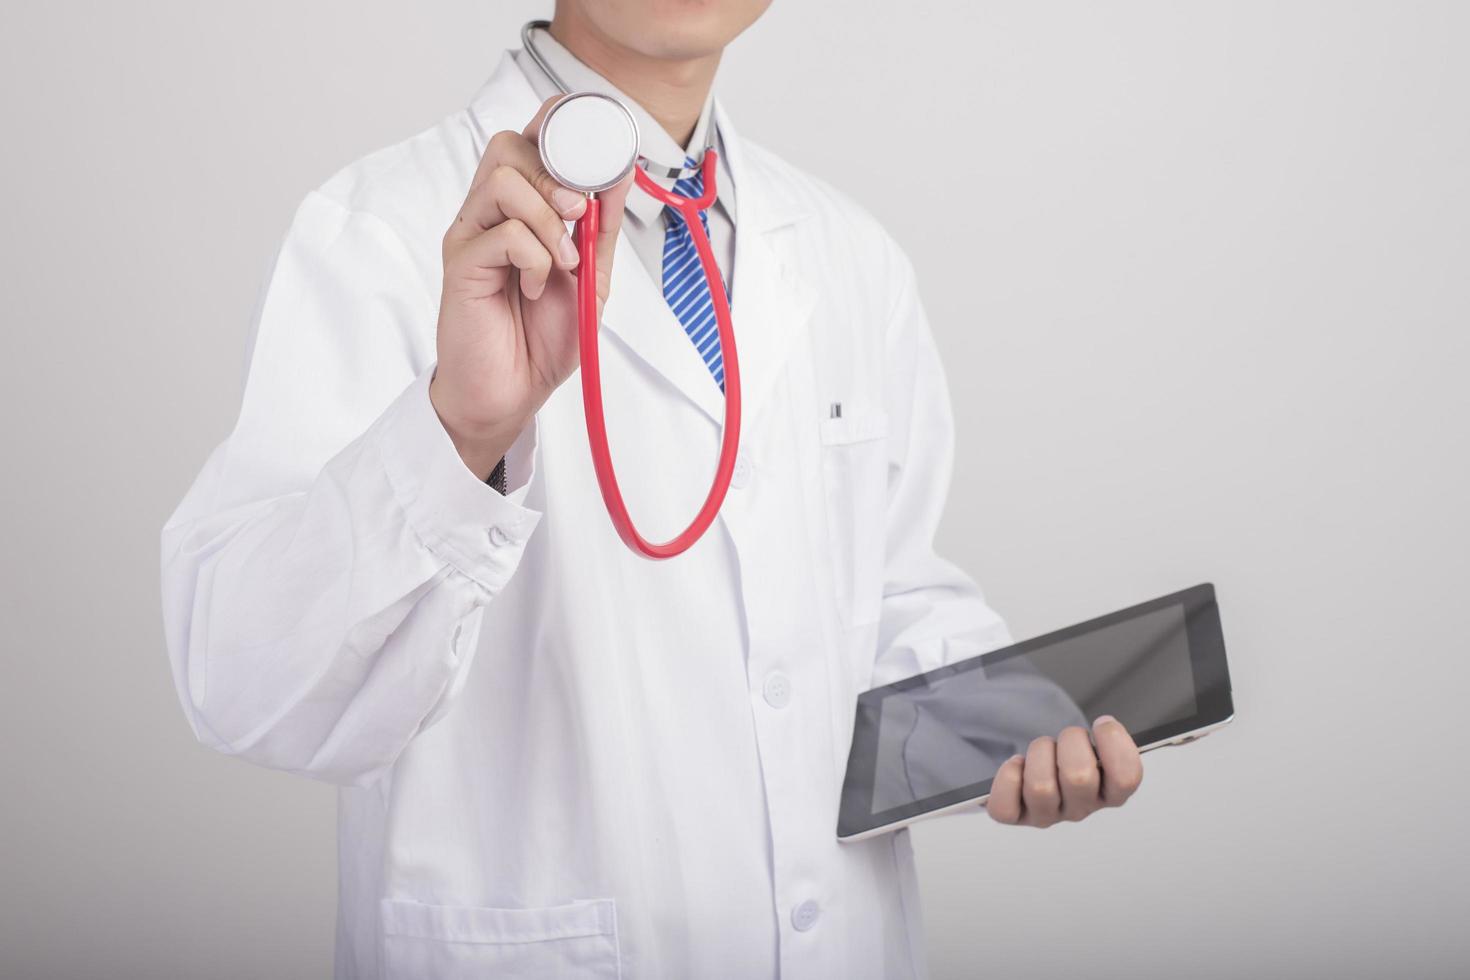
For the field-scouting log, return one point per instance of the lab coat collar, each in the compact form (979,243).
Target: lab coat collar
(665,152)
(774,207)
(771,304)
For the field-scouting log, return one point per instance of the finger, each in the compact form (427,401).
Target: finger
(1122,768)
(501,143)
(556,193)
(1077,772)
(612,200)
(1039,784)
(506,194)
(1004,804)
(515,150)
(511,149)
(490,257)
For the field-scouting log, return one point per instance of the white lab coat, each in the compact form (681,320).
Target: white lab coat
(557,758)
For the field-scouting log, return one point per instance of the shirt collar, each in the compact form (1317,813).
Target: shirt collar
(654,141)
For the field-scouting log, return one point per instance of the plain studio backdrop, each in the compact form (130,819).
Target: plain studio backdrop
(1199,274)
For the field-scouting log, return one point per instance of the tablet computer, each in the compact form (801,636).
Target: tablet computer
(931,743)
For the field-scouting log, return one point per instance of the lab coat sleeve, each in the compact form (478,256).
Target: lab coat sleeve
(325,576)
(932,612)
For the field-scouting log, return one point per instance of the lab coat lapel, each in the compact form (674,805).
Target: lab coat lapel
(638,316)
(773,300)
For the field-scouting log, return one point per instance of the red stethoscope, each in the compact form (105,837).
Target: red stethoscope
(589,142)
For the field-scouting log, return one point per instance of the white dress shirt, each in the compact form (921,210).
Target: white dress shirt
(556,758)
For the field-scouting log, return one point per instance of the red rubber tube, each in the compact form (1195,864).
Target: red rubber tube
(587,329)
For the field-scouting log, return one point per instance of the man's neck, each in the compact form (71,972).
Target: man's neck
(672,92)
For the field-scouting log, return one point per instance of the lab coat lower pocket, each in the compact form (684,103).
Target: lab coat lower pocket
(441,942)
(855,473)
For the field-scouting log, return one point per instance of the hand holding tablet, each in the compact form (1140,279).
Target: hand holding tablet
(948,739)
(1067,778)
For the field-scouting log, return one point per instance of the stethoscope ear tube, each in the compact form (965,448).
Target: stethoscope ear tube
(587,331)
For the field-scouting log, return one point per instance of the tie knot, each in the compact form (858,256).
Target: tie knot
(691,187)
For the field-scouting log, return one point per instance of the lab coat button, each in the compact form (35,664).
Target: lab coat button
(740,476)
(777,690)
(805,915)
(498,537)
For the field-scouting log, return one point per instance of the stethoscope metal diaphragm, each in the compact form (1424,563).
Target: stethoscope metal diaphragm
(589,141)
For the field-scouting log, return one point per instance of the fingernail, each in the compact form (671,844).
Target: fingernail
(1016,758)
(1102,718)
(568,251)
(567,202)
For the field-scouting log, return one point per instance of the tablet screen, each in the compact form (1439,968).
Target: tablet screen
(938,738)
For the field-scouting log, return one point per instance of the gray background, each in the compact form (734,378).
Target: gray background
(1200,275)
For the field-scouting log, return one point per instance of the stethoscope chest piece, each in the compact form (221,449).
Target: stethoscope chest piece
(589,141)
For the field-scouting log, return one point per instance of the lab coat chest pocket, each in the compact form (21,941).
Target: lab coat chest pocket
(438,942)
(855,491)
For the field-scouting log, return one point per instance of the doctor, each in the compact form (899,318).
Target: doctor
(556,758)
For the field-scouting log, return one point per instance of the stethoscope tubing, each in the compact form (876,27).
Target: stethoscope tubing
(587,335)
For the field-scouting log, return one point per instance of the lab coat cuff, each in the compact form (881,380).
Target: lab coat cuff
(460,518)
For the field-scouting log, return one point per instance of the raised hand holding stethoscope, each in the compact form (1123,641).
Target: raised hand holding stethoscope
(511,263)
(507,334)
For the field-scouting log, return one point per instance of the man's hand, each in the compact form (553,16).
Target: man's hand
(508,310)
(1066,778)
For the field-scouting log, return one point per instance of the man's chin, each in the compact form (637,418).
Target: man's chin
(676,30)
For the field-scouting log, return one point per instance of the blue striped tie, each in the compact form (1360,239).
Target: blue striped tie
(685,288)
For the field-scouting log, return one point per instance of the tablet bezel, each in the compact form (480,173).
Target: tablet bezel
(1214,707)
